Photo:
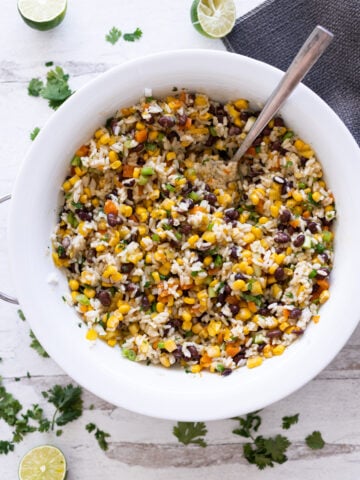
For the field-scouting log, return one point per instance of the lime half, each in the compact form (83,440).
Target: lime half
(43,463)
(213,18)
(42,14)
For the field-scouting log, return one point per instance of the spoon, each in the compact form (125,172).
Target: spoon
(221,174)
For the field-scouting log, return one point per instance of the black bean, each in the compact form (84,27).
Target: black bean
(145,303)
(173,136)
(299,331)
(140,161)
(126,267)
(182,119)
(290,229)
(278,122)
(178,353)
(187,188)
(234,309)
(234,253)
(313,227)
(315,288)
(279,180)
(83,214)
(90,255)
(245,116)
(166,121)
(134,237)
(210,141)
(323,272)
(257,142)
(295,313)
(133,290)
(239,356)
(113,219)
(105,298)
(303,161)
(129,194)
(233,130)
(299,240)
(279,250)
(276,145)
(226,372)
(240,276)
(280,274)
(195,356)
(281,237)
(232,213)
(185,228)
(227,290)
(285,216)
(150,120)
(263,311)
(210,198)
(266,131)
(139,148)
(221,298)
(324,257)
(274,333)
(129,182)
(190,98)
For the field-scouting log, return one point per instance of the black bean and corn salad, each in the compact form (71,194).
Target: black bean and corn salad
(176,271)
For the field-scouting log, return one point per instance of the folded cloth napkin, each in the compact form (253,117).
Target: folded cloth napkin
(275,31)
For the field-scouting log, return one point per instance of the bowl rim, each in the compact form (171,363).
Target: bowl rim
(144,407)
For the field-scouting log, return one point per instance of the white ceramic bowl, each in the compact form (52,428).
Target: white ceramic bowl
(157,391)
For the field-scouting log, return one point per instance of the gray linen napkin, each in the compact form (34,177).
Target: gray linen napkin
(274,32)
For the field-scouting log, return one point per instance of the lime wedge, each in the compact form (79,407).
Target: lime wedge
(43,463)
(42,14)
(213,18)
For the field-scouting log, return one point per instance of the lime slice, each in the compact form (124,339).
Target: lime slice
(42,14)
(43,463)
(213,18)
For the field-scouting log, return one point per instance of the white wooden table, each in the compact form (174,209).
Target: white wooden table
(142,447)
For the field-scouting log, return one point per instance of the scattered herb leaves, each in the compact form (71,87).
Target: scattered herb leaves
(191,432)
(113,36)
(35,86)
(34,133)
(100,435)
(287,422)
(21,315)
(68,403)
(35,344)
(315,441)
(49,64)
(56,90)
(131,37)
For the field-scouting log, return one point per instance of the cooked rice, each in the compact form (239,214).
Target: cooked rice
(178,271)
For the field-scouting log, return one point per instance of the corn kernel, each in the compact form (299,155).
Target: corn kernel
(74,284)
(66,186)
(267,351)
(209,237)
(133,328)
(316,196)
(160,307)
(164,360)
(244,314)
(278,350)
(239,285)
(124,308)
(274,210)
(189,300)
(195,368)
(297,196)
(213,351)
(254,198)
(208,261)
(170,156)
(115,165)
(156,277)
(91,334)
(193,239)
(213,328)
(324,296)
(241,104)
(125,210)
(104,139)
(254,362)
(197,328)
(186,326)
(89,292)
(186,316)
(113,156)
(256,288)
(249,237)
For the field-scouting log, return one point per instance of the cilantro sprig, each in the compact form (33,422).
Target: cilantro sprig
(35,344)
(287,422)
(315,441)
(100,435)
(68,403)
(113,36)
(56,89)
(131,37)
(191,432)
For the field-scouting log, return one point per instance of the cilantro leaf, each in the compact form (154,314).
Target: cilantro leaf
(35,86)
(68,403)
(131,37)
(250,423)
(35,344)
(100,435)
(288,421)
(57,89)
(315,441)
(49,64)
(113,35)
(21,315)
(34,133)
(276,447)
(6,447)
(190,432)
(265,451)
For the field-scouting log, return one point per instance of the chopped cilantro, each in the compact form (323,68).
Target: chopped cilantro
(100,435)
(113,36)
(49,64)
(131,37)
(287,422)
(35,344)
(190,432)
(21,315)
(315,441)
(34,133)
(35,86)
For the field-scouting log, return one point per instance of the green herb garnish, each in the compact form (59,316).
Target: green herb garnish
(129,354)
(35,344)
(67,401)
(21,315)
(313,274)
(287,422)
(71,219)
(191,432)
(131,37)
(34,133)
(100,435)
(315,441)
(113,36)
(35,86)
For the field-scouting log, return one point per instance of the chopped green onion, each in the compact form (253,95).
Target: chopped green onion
(212,292)
(147,284)
(320,248)
(170,187)
(218,261)
(161,345)
(301,185)
(313,274)
(195,273)
(210,227)
(129,354)
(166,226)
(72,220)
(142,180)
(77,204)
(327,236)
(149,99)
(76,161)
(213,132)
(194,196)
(220,368)
(258,149)
(82,299)
(155,237)
(160,136)
(288,134)
(147,171)
(178,235)
(150,147)
(61,250)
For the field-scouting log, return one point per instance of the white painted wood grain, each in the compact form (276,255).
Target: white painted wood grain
(142,447)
